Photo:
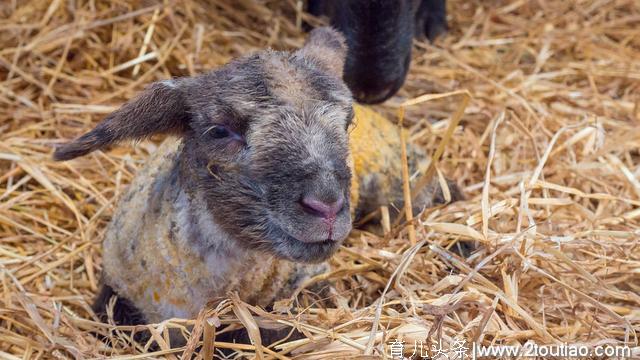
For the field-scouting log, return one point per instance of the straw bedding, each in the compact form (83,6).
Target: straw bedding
(546,152)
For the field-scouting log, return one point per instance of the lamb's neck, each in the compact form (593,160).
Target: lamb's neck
(199,232)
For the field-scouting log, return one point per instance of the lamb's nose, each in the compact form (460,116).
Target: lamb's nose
(316,207)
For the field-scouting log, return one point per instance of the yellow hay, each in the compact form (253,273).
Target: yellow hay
(546,152)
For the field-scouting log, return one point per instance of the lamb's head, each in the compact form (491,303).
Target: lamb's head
(264,142)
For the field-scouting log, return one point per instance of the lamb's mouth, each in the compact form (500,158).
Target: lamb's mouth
(291,248)
(311,252)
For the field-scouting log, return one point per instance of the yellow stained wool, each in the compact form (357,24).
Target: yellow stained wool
(375,148)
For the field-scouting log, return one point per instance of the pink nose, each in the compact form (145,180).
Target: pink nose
(316,207)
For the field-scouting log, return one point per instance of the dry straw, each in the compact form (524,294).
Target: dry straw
(546,152)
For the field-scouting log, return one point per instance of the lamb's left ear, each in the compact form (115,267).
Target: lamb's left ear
(326,47)
(159,109)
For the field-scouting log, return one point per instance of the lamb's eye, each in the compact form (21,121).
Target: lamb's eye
(218,132)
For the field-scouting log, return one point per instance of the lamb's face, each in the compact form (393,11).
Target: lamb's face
(265,141)
(269,147)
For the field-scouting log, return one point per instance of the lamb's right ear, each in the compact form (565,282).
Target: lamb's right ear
(159,109)
(327,47)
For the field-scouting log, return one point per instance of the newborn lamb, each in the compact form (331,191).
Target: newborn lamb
(255,190)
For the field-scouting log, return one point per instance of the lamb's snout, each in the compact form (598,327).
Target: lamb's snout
(326,209)
(322,209)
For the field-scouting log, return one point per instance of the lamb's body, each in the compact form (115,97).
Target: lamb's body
(155,250)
